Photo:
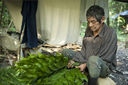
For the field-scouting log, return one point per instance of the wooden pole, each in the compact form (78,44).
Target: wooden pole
(19,44)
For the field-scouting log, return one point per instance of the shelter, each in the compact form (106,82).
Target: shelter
(122,0)
(58,21)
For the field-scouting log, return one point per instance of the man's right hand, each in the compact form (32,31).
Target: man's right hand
(70,64)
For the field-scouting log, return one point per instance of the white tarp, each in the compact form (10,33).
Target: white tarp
(58,21)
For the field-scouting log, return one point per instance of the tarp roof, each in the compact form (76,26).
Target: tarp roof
(122,0)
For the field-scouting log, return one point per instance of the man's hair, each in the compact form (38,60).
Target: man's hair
(96,12)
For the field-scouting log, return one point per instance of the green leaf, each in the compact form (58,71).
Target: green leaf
(85,77)
(56,65)
(41,55)
(53,68)
(79,73)
(76,64)
(58,83)
(73,74)
(62,79)
(78,81)
(57,54)
(68,76)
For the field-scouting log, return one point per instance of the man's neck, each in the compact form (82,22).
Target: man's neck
(98,31)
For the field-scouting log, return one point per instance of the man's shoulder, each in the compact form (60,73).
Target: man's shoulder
(109,29)
(109,32)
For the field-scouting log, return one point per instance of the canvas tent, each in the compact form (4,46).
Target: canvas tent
(58,21)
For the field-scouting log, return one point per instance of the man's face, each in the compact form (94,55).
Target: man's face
(94,24)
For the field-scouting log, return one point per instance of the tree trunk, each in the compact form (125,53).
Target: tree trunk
(2,8)
(108,21)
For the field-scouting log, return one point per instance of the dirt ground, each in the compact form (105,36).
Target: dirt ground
(119,76)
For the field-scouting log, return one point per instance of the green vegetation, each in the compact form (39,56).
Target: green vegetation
(42,70)
(122,36)
(5,18)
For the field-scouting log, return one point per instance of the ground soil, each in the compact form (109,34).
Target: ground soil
(120,75)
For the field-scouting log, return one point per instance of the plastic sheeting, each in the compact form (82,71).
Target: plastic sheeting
(58,21)
(123,14)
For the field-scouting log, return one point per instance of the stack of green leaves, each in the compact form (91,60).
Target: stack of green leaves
(65,77)
(46,70)
(35,66)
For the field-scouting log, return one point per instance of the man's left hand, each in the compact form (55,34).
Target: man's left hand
(82,67)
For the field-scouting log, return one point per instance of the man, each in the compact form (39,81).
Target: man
(98,53)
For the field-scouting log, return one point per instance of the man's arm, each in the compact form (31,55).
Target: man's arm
(80,55)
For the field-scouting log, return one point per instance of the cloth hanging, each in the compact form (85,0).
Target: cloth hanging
(28,12)
(58,21)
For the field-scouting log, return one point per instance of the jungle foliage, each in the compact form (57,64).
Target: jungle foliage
(5,18)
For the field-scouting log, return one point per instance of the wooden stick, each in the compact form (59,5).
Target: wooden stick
(19,44)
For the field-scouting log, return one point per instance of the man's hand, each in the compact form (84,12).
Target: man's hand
(70,64)
(82,67)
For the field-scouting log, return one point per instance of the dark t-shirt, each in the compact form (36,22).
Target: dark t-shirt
(103,45)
